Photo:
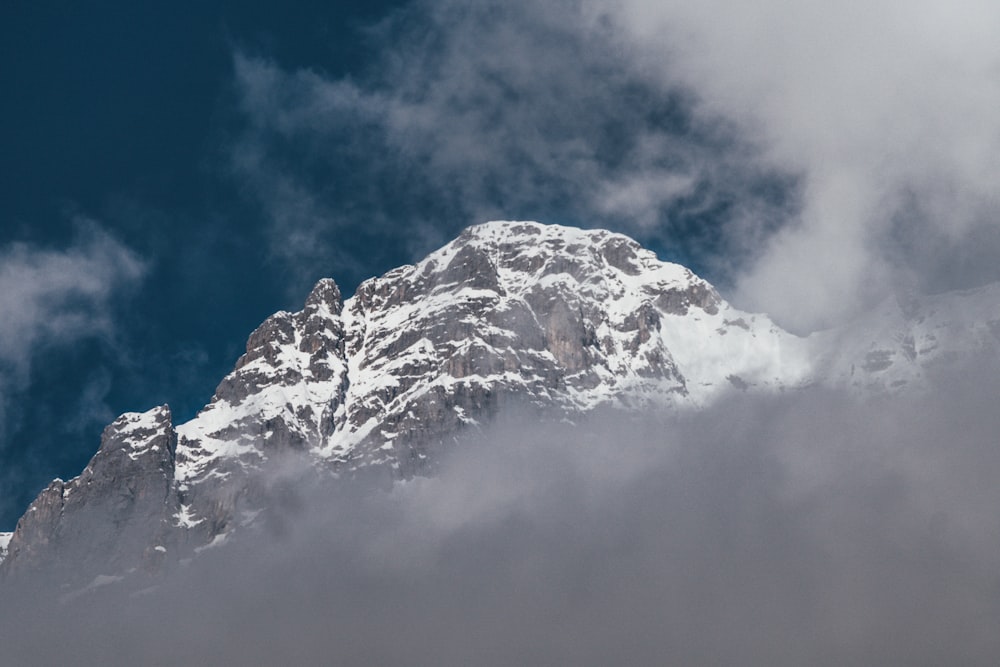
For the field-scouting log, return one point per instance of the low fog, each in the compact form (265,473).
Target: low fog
(808,528)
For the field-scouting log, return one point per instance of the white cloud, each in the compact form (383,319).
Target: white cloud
(57,297)
(886,108)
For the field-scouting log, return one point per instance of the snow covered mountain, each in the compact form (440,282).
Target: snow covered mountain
(895,346)
(553,319)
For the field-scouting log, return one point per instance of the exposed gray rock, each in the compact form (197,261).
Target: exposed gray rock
(111,517)
(679,301)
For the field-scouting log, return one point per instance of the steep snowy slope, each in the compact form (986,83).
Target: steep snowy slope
(895,346)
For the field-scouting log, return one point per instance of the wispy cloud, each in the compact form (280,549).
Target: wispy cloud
(57,297)
(886,108)
(471,112)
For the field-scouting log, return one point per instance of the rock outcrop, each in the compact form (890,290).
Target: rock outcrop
(116,514)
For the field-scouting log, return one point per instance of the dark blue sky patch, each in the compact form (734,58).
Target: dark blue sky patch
(123,113)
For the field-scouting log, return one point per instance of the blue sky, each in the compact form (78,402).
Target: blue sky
(116,125)
(171,175)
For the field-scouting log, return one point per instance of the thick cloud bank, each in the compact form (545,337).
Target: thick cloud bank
(805,529)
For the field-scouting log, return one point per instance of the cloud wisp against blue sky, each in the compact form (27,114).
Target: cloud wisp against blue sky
(884,108)
(56,299)
(810,159)
(469,113)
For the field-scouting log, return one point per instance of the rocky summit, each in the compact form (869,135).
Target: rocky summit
(556,320)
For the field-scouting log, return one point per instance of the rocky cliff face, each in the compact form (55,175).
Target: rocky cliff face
(556,319)
(116,513)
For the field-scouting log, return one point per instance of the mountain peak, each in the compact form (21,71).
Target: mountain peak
(531,232)
(524,255)
(555,319)
(325,294)
(534,239)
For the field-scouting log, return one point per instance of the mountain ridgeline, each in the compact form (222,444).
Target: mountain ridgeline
(555,320)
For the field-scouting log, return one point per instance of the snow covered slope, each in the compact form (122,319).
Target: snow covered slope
(894,347)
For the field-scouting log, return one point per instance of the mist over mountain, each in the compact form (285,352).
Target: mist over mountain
(541,444)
